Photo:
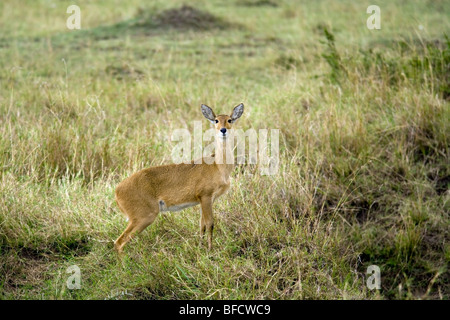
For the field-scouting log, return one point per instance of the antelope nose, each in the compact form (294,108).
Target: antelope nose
(223,130)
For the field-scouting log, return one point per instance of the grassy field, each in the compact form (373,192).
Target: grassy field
(364,147)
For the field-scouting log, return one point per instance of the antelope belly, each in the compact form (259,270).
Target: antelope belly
(177,207)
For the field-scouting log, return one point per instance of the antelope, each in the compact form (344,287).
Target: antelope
(174,187)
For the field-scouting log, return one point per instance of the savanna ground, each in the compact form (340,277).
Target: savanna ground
(364,147)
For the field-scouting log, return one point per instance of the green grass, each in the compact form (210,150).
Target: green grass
(364,148)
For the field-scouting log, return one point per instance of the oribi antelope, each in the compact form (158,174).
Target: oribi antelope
(175,187)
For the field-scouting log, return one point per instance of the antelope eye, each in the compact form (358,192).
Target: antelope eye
(229,120)
(217,121)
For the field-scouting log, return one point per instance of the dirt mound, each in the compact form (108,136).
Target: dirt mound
(188,17)
(257,3)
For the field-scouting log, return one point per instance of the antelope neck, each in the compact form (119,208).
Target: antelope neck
(223,148)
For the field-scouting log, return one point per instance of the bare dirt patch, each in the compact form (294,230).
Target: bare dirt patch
(188,17)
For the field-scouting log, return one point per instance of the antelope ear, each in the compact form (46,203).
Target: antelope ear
(237,112)
(208,113)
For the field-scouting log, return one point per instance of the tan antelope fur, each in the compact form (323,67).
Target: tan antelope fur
(177,186)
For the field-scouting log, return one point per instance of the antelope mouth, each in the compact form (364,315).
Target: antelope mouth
(222,135)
